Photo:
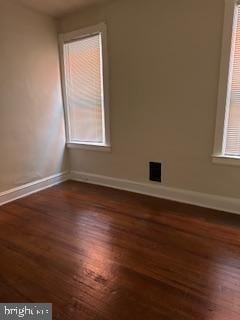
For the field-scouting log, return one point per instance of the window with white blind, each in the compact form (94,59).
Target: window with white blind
(227,140)
(83,55)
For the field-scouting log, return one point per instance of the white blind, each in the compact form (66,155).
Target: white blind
(232,130)
(84,89)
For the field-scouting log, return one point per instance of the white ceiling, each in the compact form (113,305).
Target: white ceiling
(58,8)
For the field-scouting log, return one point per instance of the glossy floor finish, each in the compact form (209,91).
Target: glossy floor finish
(98,253)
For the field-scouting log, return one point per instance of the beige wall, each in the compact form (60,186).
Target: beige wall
(31,114)
(164,61)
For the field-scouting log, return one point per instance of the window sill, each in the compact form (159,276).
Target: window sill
(226,160)
(89,146)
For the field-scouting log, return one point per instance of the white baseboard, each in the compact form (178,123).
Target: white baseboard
(210,201)
(29,188)
(185,196)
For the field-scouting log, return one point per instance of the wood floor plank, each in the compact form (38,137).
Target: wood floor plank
(98,253)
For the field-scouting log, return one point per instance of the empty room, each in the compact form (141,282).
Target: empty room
(120,159)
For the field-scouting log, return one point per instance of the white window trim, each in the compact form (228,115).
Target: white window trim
(223,91)
(74,35)
(89,146)
(226,160)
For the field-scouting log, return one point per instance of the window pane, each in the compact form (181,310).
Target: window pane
(233,124)
(83,71)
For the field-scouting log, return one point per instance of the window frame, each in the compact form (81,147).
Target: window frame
(78,35)
(227,56)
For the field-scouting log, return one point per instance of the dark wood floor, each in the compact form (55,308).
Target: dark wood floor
(98,253)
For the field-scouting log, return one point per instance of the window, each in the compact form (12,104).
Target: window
(227,140)
(84,72)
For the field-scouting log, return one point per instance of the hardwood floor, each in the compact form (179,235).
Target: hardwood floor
(98,253)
